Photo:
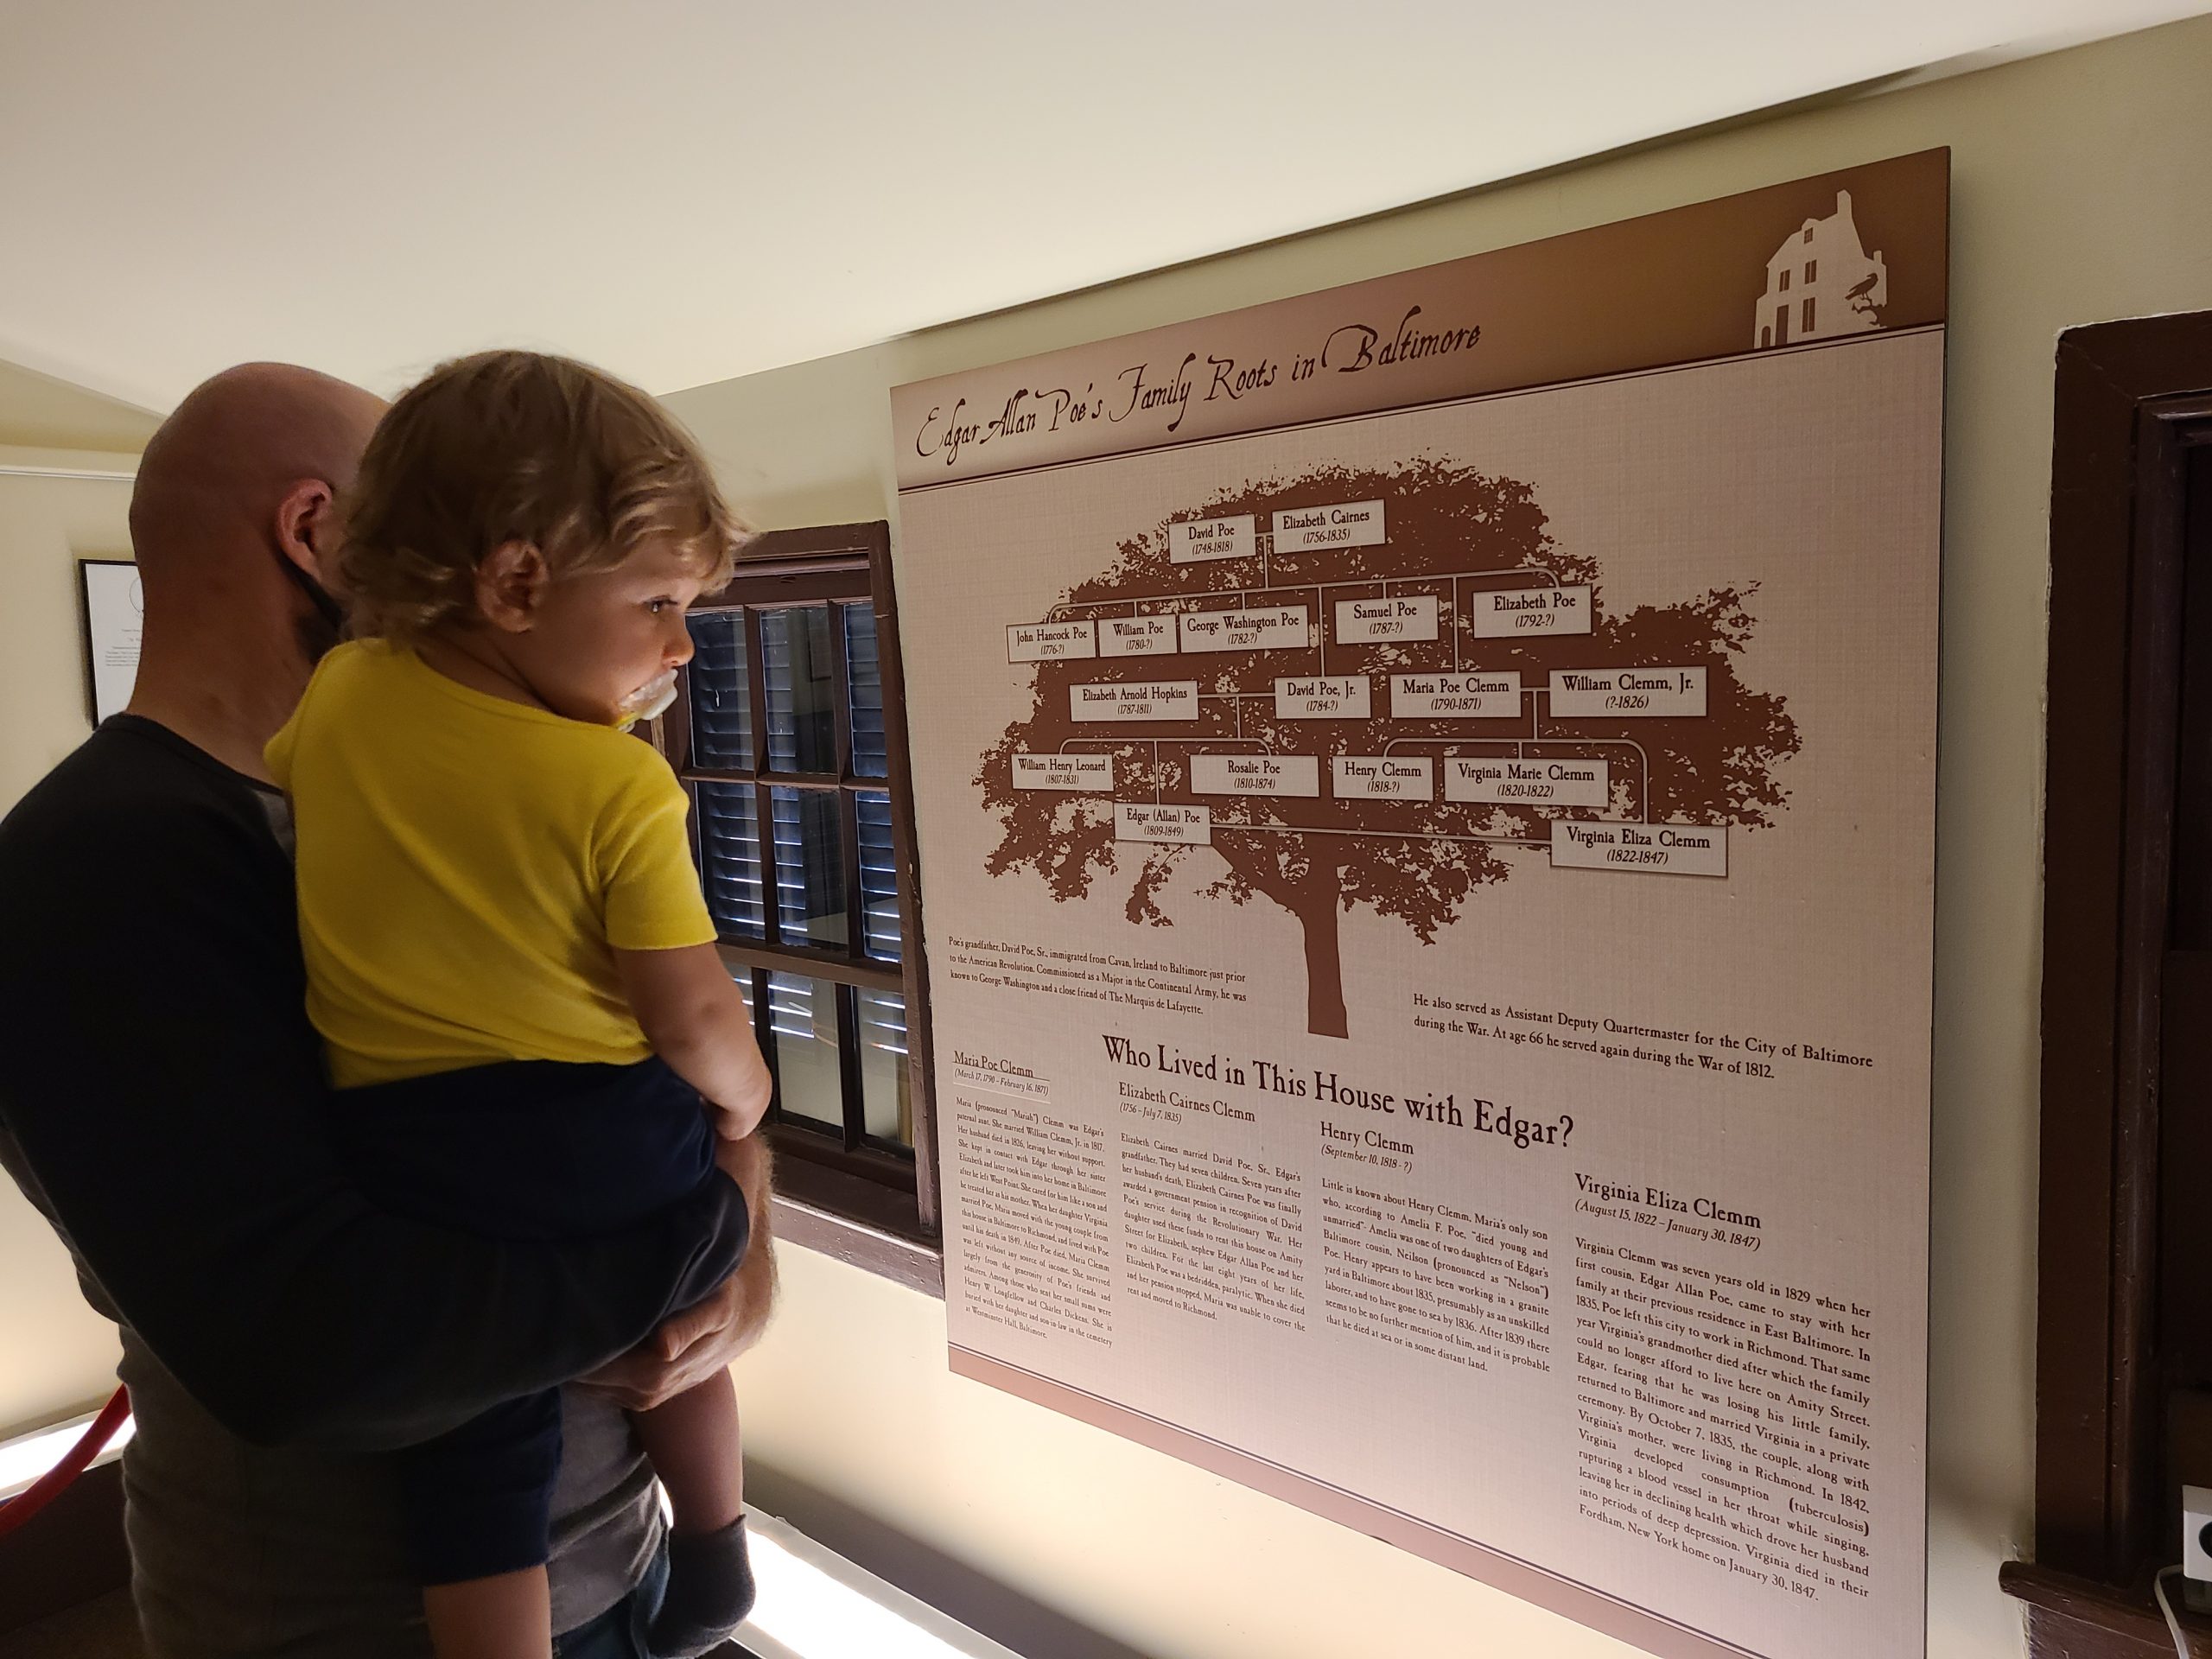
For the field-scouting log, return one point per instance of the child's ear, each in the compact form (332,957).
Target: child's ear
(510,583)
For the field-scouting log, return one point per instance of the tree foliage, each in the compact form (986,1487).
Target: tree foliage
(1420,862)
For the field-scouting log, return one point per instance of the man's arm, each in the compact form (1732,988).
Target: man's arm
(708,1336)
(166,1091)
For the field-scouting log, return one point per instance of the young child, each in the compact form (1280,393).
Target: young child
(508,954)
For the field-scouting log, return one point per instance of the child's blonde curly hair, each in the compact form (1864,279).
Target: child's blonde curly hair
(519,447)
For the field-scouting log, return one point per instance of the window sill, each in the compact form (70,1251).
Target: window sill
(2079,1618)
(857,1222)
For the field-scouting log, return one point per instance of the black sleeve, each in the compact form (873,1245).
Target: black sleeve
(166,1091)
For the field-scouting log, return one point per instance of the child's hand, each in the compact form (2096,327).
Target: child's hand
(736,1118)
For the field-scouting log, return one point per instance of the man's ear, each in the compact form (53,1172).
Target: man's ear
(510,583)
(306,527)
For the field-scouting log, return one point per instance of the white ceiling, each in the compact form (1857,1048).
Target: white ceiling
(686,191)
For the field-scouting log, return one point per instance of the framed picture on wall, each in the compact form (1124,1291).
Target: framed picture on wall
(114,615)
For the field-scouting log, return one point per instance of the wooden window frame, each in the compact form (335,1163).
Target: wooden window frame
(2132,399)
(841,1198)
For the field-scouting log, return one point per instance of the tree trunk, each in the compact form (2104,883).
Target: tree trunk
(1324,970)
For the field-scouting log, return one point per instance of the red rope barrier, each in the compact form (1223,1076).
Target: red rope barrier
(51,1485)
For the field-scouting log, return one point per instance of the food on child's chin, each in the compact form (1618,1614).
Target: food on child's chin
(650,700)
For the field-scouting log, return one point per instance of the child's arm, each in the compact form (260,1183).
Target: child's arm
(694,1017)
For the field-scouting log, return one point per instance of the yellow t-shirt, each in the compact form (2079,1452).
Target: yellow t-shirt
(465,864)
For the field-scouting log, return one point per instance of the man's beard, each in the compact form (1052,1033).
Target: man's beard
(315,635)
(323,623)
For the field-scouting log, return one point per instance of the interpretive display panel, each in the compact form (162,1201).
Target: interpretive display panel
(114,620)
(1425,799)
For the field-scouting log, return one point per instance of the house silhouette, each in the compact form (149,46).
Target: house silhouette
(1822,283)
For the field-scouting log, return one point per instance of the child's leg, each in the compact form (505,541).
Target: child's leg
(693,1443)
(476,1504)
(510,1617)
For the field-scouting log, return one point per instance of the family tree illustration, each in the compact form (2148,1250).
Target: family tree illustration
(1378,687)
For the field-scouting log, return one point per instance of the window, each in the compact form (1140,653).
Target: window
(1807,327)
(1783,285)
(789,734)
(1812,270)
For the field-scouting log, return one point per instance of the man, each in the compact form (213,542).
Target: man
(163,1102)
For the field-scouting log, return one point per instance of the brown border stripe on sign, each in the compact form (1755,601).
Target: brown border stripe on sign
(1687,285)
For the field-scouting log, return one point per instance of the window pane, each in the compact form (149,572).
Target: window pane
(802,711)
(721,706)
(879,875)
(870,757)
(886,1105)
(803,1023)
(730,858)
(809,867)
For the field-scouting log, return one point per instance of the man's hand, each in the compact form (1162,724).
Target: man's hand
(706,1337)
(690,1348)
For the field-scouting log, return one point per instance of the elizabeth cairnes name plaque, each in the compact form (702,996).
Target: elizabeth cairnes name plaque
(1427,819)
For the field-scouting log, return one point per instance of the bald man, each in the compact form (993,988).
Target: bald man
(163,1102)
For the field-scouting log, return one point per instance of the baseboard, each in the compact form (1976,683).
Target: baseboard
(976,1600)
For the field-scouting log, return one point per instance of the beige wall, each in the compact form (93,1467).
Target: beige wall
(2081,193)
(56,1355)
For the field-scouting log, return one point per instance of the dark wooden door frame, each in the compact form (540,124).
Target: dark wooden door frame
(2132,398)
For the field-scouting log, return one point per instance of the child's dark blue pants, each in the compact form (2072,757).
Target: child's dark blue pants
(525,1149)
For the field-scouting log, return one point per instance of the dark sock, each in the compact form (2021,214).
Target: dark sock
(709,1592)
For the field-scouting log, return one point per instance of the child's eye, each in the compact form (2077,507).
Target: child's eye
(656,605)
